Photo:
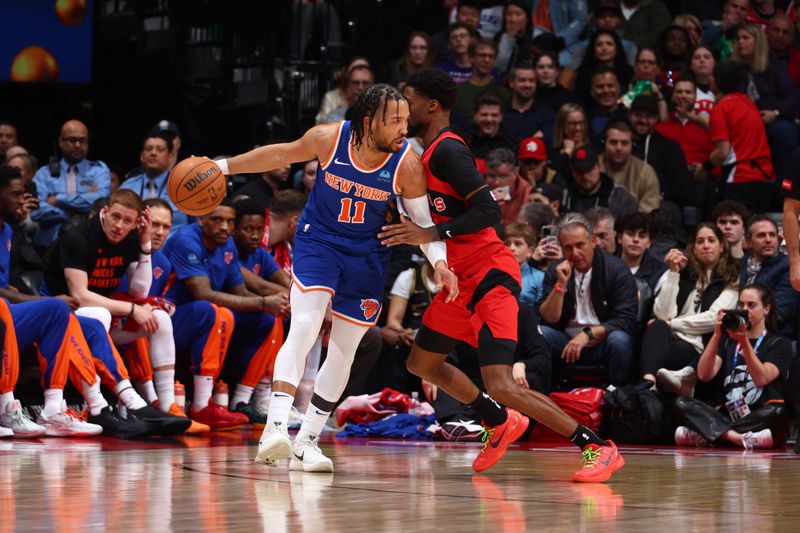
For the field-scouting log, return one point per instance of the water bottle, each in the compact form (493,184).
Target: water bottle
(180,394)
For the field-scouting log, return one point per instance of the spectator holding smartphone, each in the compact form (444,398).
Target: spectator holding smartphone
(519,239)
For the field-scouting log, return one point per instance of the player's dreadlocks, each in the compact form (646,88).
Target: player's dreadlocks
(367,106)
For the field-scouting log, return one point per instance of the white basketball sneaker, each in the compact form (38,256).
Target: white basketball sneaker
(5,432)
(17,421)
(759,439)
(307,456)
(67,423)
(274,444)
(681,382)
(689,437)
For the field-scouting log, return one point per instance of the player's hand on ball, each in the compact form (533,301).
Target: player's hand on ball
(407,232)
(443,277)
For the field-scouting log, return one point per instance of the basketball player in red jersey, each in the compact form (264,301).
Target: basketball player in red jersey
(484,312)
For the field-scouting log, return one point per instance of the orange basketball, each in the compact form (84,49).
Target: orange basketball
(196,185)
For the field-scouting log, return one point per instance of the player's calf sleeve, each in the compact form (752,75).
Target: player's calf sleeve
(162,357)
(332,377)
(308,312)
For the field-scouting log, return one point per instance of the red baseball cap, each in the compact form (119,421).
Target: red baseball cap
(532,148)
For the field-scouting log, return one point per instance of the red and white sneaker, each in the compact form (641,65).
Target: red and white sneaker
(598,463)
(67,423)
(497,439)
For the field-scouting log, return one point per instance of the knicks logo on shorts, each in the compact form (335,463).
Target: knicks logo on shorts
(370,308)
(157,271)
(257,270)
(228,257)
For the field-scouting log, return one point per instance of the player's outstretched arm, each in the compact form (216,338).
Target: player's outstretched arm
(314,144)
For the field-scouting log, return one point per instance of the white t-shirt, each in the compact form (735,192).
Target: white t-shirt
(403,284)
(584,310)
(628,12)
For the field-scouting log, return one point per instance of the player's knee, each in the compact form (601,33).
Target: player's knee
(164,321)
(420,367)
(100,314)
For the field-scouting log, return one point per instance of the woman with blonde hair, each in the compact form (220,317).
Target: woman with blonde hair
(570,131)
(336,96)
(774,93)
(692,25)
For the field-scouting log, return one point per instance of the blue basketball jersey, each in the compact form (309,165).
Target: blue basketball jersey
(259,262)
(348,200)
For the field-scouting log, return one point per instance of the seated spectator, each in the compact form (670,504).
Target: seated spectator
(418,54)
(635,233)
(590,307)
(334,98)
(604,50)
(152,182)
(488,134)
(533,167)
(457,64)
(646,67)
(605,107)
(702,68)
(722,37)
(699,283)
(27,166)
(753,362)
(590,187)
(762,11)
(780,38)
(482,53)
(514,42)
(664,155)
(519,239)
(603,234)
(765,264)
(549,90)
(541,219)
(645,21)
(666,222)
(468,13)
(740,140)
(730,216)
(687,127)
(8,138)
(532,362)
(774,93)
(607,16)
(692,25)
(676,49)
(524,116)
(73,189)
(359,79)
(263,188)
(627,170)
(570,131)
(565,20)
(509,189)
(548,194)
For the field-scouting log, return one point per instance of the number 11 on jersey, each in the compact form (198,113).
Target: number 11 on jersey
(347,206)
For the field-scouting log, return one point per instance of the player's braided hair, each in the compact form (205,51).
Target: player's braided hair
(368,104)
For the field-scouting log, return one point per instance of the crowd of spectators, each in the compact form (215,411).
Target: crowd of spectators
(637,155)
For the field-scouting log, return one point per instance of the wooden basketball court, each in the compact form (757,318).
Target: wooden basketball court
(210,483)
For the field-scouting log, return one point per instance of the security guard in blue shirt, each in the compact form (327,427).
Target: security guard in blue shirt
(72,187)
(152,181)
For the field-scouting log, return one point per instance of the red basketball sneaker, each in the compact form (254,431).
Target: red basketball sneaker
(497,439)
(217,417)
(599,462)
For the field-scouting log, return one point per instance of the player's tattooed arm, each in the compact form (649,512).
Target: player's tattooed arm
(314,144)
(239,299)
(260,286)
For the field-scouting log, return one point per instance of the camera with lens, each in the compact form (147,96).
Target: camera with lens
(735,319)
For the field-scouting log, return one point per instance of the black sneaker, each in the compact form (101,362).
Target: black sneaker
(115,425)
(158,422)
(253,414)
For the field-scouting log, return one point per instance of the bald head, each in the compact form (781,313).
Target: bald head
(74,141)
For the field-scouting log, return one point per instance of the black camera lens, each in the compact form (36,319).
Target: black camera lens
(733,320)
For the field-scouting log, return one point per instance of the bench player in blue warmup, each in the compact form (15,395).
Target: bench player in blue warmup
(364,163)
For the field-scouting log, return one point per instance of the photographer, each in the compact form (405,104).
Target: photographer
(752,360)
(685,308)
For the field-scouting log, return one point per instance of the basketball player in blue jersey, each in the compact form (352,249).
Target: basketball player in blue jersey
(364,163)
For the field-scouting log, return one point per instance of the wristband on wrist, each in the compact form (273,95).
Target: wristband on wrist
(558,288)
(223,165)
(133,308)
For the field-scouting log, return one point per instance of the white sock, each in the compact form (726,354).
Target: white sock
(203,387)
(242,395)
(165,387)
(128,395)
(52,401)
(5,401)
(314,422)
(146,390)
(94,398)
(262,393)
(279,405)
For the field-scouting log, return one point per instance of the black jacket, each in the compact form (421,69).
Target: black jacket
(650,270)
(667,159)
(610,195)
(613,292)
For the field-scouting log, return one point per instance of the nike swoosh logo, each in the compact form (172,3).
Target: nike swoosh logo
(607,461)
(281,395)
(336,161)
(321,413)
(449,235)
(299,457)
(495,443)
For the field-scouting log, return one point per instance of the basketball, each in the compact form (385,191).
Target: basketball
(196,185)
